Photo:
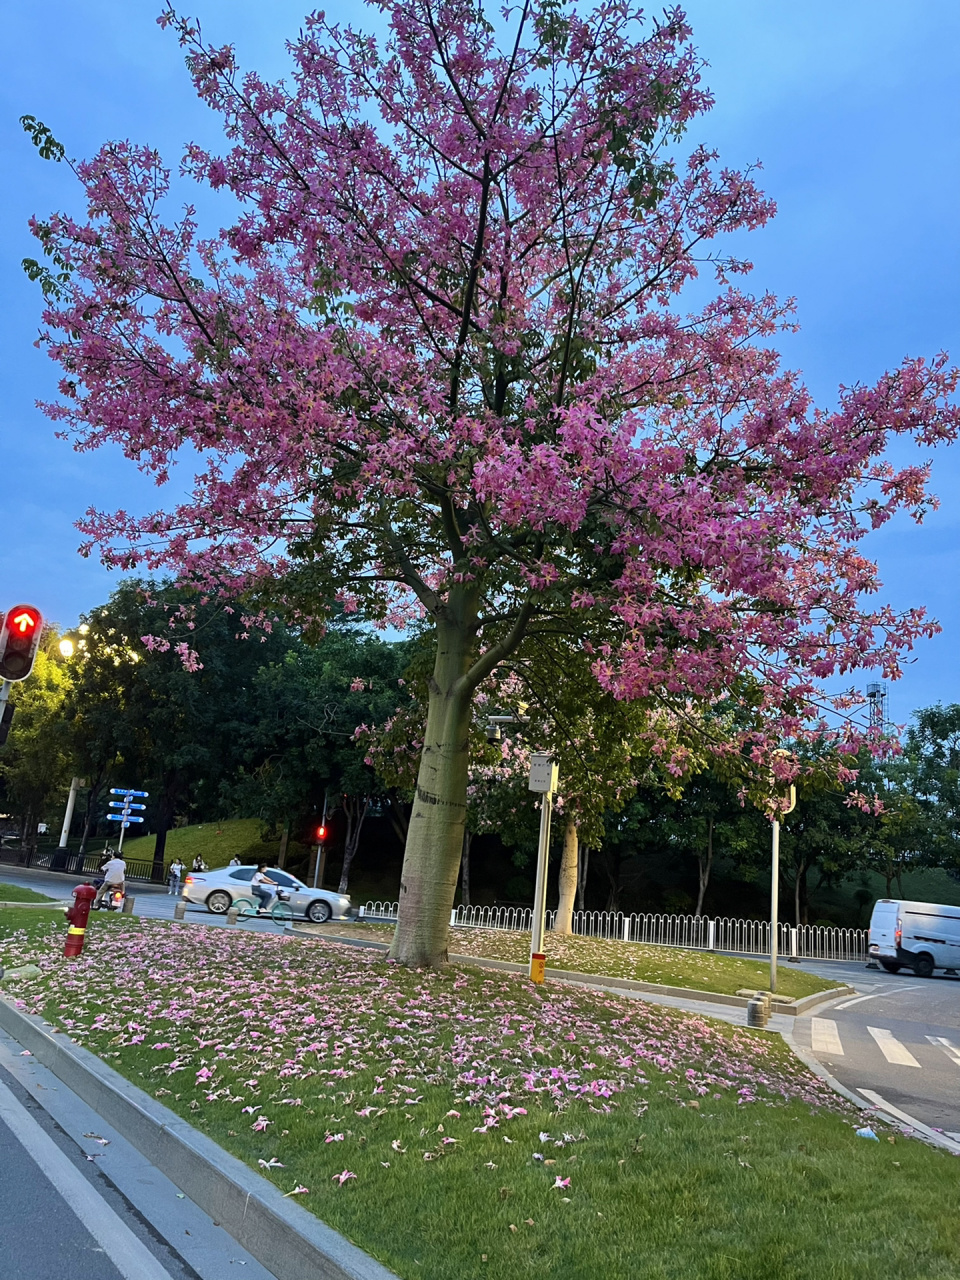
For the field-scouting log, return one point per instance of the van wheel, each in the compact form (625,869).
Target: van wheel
(923,966)
(891,966)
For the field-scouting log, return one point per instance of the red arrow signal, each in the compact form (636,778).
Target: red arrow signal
(25,621)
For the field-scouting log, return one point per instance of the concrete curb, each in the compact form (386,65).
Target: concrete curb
(604,981)
(284,1237)
(59,905)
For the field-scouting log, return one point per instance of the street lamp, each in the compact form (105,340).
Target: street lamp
(66,647)
(788,807)
(544,777)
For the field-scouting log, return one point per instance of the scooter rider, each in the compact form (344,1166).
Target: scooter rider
(114,877)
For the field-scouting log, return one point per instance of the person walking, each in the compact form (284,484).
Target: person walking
(114,877)
(176,871)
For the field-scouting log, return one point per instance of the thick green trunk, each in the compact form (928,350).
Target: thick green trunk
(569,867)
(431,860)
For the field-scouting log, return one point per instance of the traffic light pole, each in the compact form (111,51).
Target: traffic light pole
(5,687)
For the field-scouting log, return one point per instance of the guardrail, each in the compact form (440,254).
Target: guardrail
(70,862)
(693,933)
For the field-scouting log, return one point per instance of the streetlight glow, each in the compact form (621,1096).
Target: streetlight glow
(66,647)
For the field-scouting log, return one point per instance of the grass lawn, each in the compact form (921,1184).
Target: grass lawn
(640,962)
(465,1124)
(16,893)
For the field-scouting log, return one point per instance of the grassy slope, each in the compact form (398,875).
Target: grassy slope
(16,893)
(667,1182)
(215,842)
(701,970)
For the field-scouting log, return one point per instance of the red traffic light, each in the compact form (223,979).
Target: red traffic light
(321,833)
(19,641)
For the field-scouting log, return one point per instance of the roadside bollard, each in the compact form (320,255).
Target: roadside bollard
(128,906)
(758,1011)
(179,911)
(77,917)
(233,915)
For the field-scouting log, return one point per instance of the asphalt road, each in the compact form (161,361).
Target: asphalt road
(897,1041)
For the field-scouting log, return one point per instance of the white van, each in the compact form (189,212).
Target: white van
(921,936)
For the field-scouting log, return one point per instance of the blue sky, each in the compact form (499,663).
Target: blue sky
(853,109)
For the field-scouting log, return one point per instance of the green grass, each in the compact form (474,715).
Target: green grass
(639,962)
(16,893)
(674,1174)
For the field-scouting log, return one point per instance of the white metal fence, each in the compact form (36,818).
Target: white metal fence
(695,933)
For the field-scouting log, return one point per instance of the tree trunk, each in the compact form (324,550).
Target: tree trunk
(431,859)
(612,868)
(399,818)
(165,814)
(569,865)
(284,842)
(465,868)
(355,807)
(799,876)
(584,862)
(704,864)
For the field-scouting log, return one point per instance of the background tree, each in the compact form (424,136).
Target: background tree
(35,761)
(440,366)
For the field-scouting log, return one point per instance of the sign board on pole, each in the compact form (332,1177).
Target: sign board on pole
(127,791)
(544,774)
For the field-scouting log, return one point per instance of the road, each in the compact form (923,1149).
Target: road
(897,1040)
(152,902)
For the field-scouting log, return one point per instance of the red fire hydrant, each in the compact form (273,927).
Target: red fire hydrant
(77,917)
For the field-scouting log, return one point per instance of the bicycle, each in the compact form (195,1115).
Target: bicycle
(279,910)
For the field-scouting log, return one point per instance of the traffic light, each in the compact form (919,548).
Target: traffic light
(6,719)
(321,834)
(19,641)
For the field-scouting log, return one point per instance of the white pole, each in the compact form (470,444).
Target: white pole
(774,902)
(68,817)
(540,895)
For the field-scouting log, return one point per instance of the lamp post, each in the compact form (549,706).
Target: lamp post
(775,883)
(544,777)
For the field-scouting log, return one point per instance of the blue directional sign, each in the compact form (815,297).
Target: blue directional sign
(125,805)
(122,817)
(126,791)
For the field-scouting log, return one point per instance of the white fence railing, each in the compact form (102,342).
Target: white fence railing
(694,933)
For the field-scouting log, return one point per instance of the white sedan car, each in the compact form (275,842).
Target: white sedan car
(218,890)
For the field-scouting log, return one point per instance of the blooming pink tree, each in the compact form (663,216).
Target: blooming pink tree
(441,365)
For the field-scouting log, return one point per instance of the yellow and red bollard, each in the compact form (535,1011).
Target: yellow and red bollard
(77,917)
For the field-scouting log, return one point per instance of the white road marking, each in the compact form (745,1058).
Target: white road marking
(129,1255)
(824,1037)
(896,1053)
(950,1049)
(948,1140)
(876,995)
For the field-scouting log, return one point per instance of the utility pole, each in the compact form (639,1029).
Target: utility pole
(75,786)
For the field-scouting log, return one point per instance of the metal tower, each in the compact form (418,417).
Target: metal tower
(877,698)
